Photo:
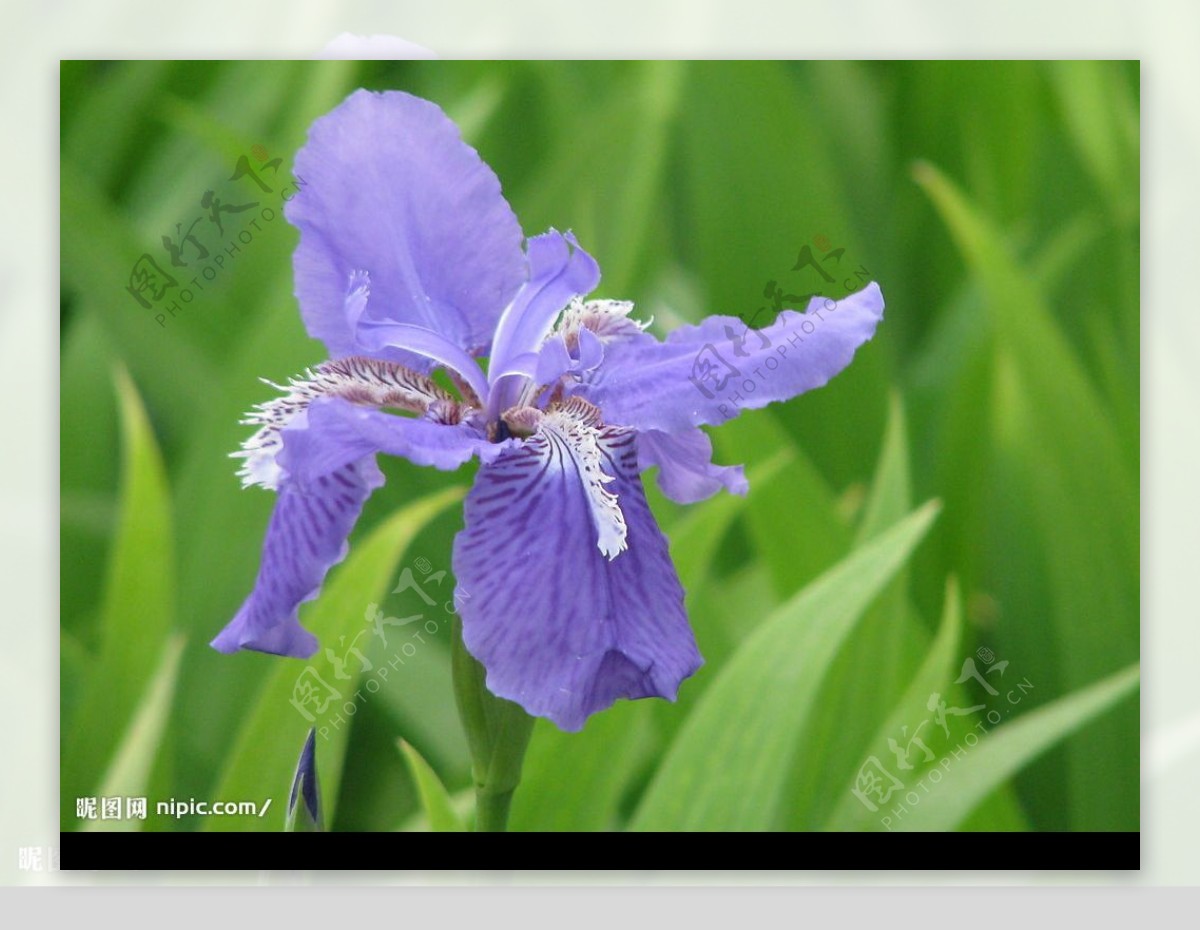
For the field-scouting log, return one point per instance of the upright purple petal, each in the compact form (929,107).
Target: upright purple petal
(711,372)
(561,629)
(306,536)
(686,473)
(559,269)
(387,186)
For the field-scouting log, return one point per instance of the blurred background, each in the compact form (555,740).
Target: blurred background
(997,205)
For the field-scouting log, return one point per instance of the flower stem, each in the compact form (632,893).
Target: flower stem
(497,731)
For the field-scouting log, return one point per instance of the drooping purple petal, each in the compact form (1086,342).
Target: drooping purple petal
(334,433)
(710,372)
(686,470)
(306,536)
(324,463)
(559,269)
(369,382)
(387,186)
(561,629)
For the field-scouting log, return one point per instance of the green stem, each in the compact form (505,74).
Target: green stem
(497,731)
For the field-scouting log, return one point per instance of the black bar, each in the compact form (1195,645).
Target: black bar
(1023,852)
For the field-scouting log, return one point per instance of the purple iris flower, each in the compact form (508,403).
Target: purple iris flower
(411,260)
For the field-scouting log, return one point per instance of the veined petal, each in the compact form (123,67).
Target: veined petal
(306,536)
(710,372)
(387,185)
(323,460)
(686,470)
(561,629)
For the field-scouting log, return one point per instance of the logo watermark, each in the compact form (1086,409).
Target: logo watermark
(894,789)
(315,697)
(203,254)
(755,355)
(126,808)
(37,859)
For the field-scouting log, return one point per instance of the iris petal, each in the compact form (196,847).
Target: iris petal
(686,473)
(336,433)
(710,372)
(305,538)
(561,629)
(387,185)
(428,344)
(326,467)
(558,271)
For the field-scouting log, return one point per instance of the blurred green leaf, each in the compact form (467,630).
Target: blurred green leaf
(128,775)
(99,129)
(575,781)
(137,610)
(1005,749)
(99,248)
(889,640)
(935,671)
(727,767)
(1100,113)
(1065,462)
(435,801)
(794,512)
(696,537)
(615,215)
(891,494)
(263,753)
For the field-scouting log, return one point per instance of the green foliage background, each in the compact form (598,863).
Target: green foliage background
(997,205)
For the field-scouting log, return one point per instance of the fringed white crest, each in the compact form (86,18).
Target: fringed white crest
(608,319)
(575,427)
(367,382)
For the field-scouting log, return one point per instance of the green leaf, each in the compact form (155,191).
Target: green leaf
(727,768)
(890,493)
(935,671)
(88,474)
(1101,116)
(137,611)
(778,527)
(1002,752)
(889,640)
(575,781)
(435,800)
(1062,483)
(697,535)
(617,212)
(263,754)
(99,247)
(129,774)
